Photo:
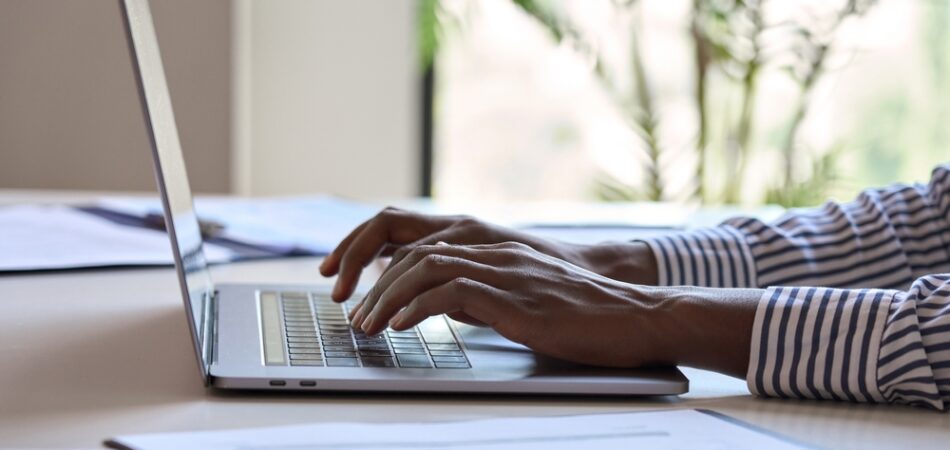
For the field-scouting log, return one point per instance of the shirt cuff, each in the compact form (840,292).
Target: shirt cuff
(818,343)
(711,257)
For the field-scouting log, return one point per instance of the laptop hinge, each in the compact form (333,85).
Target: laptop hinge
(209,332)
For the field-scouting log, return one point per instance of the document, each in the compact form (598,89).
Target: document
(673,429)
(283,225)
(59,237)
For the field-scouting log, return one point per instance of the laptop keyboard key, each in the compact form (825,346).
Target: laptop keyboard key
(378,362)
(451,365)
(414,361)
(306,362)
(446,353)
(343,362)
(410,350)
(303,345)
(443,347)
(341,354)
(458,359)
(300,351)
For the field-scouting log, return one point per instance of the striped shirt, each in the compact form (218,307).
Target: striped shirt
(857,299)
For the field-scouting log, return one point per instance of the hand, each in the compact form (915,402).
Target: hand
(561,310)
(395,232)
(542,302)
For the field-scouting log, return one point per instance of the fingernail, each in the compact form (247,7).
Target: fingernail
(368,324)
(441,243)
(397,319)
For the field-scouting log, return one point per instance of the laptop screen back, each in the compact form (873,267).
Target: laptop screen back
(180,219)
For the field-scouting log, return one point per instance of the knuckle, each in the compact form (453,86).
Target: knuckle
(401,252)
(468,221)
(461,284)
(388,213)
(418,252)
(513,245)
(433,261)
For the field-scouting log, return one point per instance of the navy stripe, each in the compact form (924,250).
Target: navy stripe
(797,343)
(832,341)
(679,263)
(856,225)
(934,348)
(935,330)
(886,379)
(865,346)
(848,340)
(840,270)
(794,279)
(706,262)
(903,314)
(764,343)
(904,332)
(913,345)
(845,253)
(745,264)
(685,251)
(816,344)
(915,393)
(780,348)
(715,243)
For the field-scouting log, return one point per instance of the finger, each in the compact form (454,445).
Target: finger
(432,271)
(467,319)
(354,311)
(416,257)
(460,296)
(331,264)
(391,226)
(459,233)
(368,243)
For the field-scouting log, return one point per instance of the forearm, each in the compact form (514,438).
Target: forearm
(703,327)
(630,262)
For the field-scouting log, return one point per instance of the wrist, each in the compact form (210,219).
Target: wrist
(630,262)
(705,328)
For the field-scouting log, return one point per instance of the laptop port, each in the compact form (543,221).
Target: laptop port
(278,383)
(308,383)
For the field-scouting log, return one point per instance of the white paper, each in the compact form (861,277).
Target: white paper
(675,429)
(315,224)
(58,237)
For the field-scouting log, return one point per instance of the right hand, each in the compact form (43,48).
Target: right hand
(394,232)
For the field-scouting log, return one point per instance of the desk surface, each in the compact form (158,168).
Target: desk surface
(91,354)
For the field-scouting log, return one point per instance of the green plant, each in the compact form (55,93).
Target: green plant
(728,39)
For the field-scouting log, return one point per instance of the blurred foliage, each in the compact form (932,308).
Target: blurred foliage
(727,38)
(429,31)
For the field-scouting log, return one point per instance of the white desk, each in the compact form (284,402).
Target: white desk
(90,354)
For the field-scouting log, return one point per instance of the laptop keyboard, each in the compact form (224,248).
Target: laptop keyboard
(318,334)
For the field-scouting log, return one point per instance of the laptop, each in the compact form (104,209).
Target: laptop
(294,338)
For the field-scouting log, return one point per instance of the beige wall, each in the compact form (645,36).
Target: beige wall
(69,112)
(326,98)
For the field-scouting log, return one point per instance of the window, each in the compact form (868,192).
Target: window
(541,100)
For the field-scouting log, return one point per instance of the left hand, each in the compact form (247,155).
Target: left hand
(547,304)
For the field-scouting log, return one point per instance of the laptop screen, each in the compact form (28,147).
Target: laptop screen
(180,219)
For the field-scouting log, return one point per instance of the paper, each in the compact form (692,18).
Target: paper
(58,237)
(311,224)
(675,429)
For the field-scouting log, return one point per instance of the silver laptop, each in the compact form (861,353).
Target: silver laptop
(254,336)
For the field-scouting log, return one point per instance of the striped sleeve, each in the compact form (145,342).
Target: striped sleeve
(886,238)
(876,325)
(859,345)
